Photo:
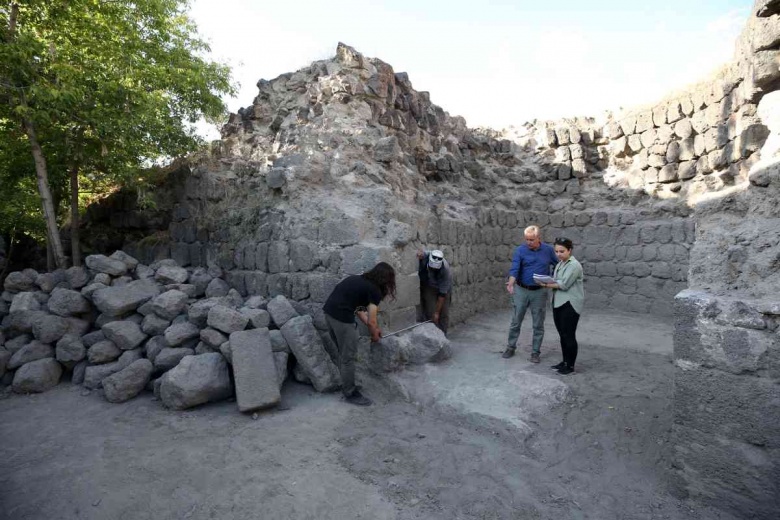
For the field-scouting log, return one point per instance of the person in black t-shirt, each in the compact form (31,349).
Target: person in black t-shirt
(356,295)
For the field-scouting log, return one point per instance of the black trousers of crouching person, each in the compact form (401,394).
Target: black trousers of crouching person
(346,337)
(430,296)
(566,319)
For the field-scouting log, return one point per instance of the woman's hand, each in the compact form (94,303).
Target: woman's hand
(376,333)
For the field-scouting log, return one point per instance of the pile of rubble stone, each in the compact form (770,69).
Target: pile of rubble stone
(123,326)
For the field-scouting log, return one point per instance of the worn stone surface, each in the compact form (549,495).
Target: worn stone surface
(127,335)
(66,302)
(117,301)
(168,274)
(128,382)
(70,350)
(169,304)
(305,343)
(154,325)
(281,310)
(169,357)
(103,352)
(30,352)
(37,376)
(178,333)
(254,370)
(104,264)
(226,320)
(196,380)
(48,328)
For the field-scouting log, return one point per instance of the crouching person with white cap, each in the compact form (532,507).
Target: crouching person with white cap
(435,287)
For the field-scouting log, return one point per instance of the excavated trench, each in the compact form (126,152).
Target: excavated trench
(475,437)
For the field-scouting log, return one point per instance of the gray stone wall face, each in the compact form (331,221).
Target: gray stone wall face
(634,260)
(726,431)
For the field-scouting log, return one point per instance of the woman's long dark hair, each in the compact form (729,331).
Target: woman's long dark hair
(383,276)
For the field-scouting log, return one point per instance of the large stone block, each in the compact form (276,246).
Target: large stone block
(254,370)
(307,347)
(154,325)
(278,257)
(281,310)
(226,319)
(199,311)
(103,352)
(126,334)
(168,274)
(70,350)
(32,351)
(169,304)
(128,382)
(66,302)
(95,374)
(732,475)
(48,328)
(716,333)
(118,301)
(423,344)
(107,265)
(37,376)
(179,333)
(196,380)
(169,357)
(24,301)
(19,281)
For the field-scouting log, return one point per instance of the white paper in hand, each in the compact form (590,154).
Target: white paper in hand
(543,278)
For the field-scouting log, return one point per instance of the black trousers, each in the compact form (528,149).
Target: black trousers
(566,319)
(430,296)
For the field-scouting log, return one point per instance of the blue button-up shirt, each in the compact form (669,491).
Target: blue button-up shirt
(526,262)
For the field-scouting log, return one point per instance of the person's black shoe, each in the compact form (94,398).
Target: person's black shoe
(508,353)
(558,366)
(358,399)
(566,370)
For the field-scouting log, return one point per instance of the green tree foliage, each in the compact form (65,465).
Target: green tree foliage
(105,87)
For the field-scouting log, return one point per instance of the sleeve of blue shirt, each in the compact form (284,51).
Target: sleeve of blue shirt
(553,258)
(515,269)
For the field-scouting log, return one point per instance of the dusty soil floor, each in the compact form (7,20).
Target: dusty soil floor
(591,445)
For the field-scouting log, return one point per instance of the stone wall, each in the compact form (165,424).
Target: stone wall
(727,402)
(726,431)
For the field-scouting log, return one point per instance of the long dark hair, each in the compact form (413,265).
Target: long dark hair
(383,276)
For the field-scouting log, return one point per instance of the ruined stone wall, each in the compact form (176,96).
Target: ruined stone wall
(726,431)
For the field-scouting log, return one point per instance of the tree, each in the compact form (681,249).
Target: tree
(109,86)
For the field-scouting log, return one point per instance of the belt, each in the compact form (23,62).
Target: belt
(530,287)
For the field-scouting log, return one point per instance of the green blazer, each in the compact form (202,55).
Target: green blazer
(568,276)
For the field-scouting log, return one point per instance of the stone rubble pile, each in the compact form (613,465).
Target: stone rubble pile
(123,327)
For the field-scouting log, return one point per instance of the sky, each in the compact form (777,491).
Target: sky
(500,64)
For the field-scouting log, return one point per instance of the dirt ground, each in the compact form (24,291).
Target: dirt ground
(478,437)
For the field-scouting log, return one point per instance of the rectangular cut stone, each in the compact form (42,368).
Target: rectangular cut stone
(307,347)
(257,384)
(119,300)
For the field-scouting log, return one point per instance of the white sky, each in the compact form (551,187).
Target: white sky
(502,63)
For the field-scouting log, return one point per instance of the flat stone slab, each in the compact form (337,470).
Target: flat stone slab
(254,369)
(118,301)
(309,351)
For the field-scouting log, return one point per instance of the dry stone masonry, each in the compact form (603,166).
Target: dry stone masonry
(672,209)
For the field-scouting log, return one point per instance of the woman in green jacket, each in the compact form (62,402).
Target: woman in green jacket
(568,300)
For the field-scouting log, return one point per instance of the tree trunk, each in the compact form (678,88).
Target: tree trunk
(75,244)
(52,233)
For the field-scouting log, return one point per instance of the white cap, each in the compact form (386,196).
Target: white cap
(435,259)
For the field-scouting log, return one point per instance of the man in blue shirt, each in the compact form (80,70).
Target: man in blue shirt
(533,257)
